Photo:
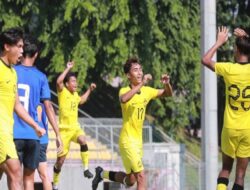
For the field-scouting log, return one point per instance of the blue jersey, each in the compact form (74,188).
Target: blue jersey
(43,122)
(33,88)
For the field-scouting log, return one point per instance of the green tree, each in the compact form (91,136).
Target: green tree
(100,35)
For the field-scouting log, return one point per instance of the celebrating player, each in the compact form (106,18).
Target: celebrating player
(235,137)
(134,99)
(70,129)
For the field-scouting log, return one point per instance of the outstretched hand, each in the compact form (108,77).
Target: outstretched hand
(70,64)
(92,86)
(147,78)
(165,79)
(222,35)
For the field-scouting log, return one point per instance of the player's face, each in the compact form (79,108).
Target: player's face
(135,74)
(15,52)
(72,84)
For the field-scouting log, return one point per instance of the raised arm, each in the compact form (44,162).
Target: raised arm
(167,91)
(23,114)
(52,119)
(128,95)
(222,37)
(59,81)
(85,96)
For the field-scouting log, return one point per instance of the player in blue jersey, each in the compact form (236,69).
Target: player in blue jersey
(33,88)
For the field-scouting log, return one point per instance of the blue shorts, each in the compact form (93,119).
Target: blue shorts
(28,152)
(43,151)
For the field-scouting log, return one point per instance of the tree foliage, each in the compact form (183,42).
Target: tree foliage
(100,35)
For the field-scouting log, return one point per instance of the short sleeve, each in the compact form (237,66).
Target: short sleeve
(221,68)
(45,93)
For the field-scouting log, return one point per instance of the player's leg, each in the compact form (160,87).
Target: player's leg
(12,169)
(131,158)
(141,182)
(43,168)
(57,170)
(10,163)
(228,145)
(30,162)
(242,155)
(1,170)
(66,136)
(241,167)
(81,140)
(116,176)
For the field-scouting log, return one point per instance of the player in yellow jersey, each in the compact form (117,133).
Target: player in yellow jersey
(11,49)
(69,127)
(134,99)
(235,137)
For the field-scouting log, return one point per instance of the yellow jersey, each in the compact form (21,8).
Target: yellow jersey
(237,90)
(133,114)
(8,89)
(68,108)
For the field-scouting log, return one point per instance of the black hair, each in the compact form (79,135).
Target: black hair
(30,47)
(67,77)
(11,37)
(243,45)
(127,66)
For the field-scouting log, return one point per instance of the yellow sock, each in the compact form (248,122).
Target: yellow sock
(221,186)
(56,177)
(106,174)
(85,159)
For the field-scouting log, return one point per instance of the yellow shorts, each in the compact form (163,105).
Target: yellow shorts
(69,135)
(132,159)
(236,142)
(7,147)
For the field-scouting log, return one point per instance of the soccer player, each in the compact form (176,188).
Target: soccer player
(69,127)
(235,137)
(134,99)
(33,88)
(11,49)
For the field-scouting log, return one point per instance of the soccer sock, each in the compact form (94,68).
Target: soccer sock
(237,187)
(105,175)
(85,156)
(222,183)
(56,176)
(108,175)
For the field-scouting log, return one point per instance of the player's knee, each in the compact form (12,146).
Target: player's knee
(84,148)
(140,177)
(57,168)
(128,182)
(44,177)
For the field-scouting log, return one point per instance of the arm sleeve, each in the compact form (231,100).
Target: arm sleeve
(45,92)
(221,68)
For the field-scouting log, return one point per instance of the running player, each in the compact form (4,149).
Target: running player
(134,99)
(70,129)
(235,137)
(11,49)
(33,88)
